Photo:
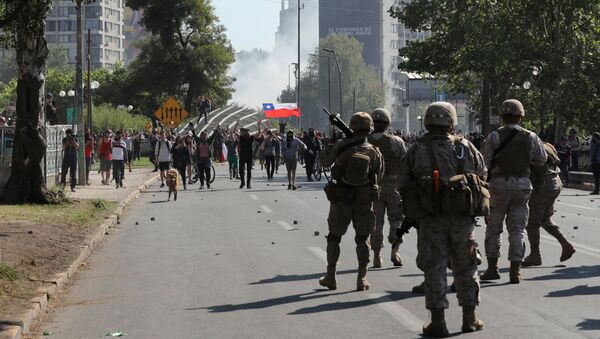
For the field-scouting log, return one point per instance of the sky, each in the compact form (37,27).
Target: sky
(250,23)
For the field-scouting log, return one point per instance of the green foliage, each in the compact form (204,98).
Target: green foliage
(58,195)
(99,204)
(106,116)
(8,272)
(502,43)
(8,93)
(188,55)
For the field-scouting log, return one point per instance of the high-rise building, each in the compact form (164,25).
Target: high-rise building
(105,21)
(369,22)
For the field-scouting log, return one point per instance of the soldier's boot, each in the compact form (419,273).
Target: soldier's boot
(377,261)
(492,272)
(419,289)
(534,258)
(396,259)
(567,249)
(361,281)
(515,272)
(329,279)
(470,321)
(437,327)
(333,254)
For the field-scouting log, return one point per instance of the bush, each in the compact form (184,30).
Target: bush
(8,273)
(106,116)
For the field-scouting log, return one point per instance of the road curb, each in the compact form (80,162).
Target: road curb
(14,329)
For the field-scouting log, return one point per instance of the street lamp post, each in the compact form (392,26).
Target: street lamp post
(337,63)
(79,94)
(420,118)
(70,94)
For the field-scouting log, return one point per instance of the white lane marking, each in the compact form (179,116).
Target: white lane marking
(577,206)
(253,196)
(285,225)
(402,315)
(319,253)
(266,209)
(580,248)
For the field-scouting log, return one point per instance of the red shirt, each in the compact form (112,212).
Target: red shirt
(105,150)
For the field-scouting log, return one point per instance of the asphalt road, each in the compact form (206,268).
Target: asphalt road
(230,263)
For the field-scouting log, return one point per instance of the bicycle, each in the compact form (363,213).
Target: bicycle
(320,171)
(196,173)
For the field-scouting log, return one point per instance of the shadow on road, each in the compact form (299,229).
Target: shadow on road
(580,272)
(316,294)
(394,296)
(589,325)
(577,290)
(296,277)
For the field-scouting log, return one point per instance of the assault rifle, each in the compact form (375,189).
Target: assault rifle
(407,224)
(337,122)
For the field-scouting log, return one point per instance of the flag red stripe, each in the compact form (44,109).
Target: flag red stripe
(283,113)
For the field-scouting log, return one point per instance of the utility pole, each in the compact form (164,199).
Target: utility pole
(298,74)
(89,79)
(79,96)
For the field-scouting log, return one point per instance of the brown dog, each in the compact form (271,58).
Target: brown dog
(173,183)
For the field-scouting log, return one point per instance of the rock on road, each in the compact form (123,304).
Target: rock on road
(231,263)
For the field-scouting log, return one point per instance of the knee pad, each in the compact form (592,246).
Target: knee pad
(360,238)
(334,238)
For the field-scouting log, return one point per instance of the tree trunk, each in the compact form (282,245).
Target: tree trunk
(485,107)
(26,183)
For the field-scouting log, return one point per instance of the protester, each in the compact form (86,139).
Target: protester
(181,158)
(269,145)
(290,148)
(137,145)
(50,109)
(153,140)
(69,163)
(313,146)
(162,154)
(575,144)
(203,153)
(90,144)
(189,143)
(564,154)
(278,152)
(129,144)
(105,155)
(232,145)
(119,157)
(246,142)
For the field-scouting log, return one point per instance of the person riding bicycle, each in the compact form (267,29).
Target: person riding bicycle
(289,149)
(203,153)
(313,146)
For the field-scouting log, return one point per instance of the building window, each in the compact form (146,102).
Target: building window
(66,25)
(93,12)
(51,26)
(63,38)
(92,24)
(51,39)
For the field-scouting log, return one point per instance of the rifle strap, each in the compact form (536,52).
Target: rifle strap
(350,145)
(499,149)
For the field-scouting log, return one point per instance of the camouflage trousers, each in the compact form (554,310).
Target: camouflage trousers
(440,239)
(390,202)
(512,206)
(541,210)
(341,214)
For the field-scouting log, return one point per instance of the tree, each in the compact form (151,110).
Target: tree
(22,27)
(490,49)
(188,55)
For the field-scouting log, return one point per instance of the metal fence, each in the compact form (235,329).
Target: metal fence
(52,167)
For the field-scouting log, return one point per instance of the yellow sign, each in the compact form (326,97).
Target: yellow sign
(171,112)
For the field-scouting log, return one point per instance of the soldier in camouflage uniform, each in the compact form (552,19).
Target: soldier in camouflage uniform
(444,235)
(509,152)
(546,188)
(393,150)
(358,165)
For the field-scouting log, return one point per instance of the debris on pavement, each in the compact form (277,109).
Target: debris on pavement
(317,233)
(293,229)
(116,334)
(258,212)
(295,222)
(137,223)
(46,333)
(152,218)
(272,243)
(575,227)
(218,253)
(29,232)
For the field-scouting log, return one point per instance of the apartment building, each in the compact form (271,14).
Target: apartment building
(104,19)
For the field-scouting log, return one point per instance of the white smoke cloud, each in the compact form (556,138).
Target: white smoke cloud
(262,75)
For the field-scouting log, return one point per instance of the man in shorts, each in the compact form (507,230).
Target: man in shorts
(162,154)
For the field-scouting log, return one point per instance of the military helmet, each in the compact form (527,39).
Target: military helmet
(440,113)
(512,107)
(381,115)
(361,122)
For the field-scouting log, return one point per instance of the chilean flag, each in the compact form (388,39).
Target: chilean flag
(281,110)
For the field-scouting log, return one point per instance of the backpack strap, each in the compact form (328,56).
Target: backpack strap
(350,145)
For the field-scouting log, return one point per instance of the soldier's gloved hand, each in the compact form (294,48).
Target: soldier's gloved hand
(393,236)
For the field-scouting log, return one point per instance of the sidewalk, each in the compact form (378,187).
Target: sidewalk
(44,245)
(108,192)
